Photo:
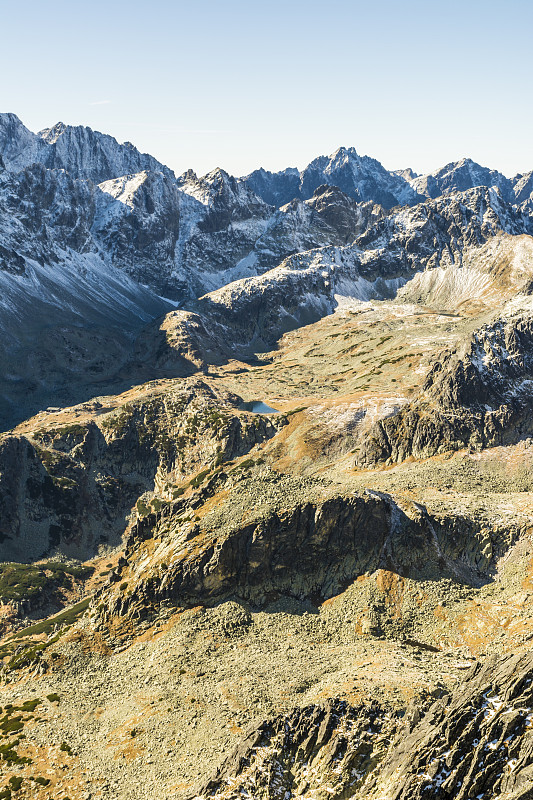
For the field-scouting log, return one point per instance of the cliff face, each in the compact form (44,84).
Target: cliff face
(251,535)
(475,741)
(475,396)
(70,487)
(317,751)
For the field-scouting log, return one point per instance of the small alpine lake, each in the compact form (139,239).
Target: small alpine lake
(258,407)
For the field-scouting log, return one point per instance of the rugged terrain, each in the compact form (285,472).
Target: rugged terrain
(272,536)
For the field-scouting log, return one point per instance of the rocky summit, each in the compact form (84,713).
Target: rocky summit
(266,478)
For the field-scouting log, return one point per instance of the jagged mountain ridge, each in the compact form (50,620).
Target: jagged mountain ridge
(68,316)
(460,176)
(79,150)
(142,235)
(360,177)
(227,231)
(461,238)
(364,178)
(80,256)
(200,232)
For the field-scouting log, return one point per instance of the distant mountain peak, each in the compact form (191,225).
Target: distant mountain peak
(217,175)
(360,177)
(81,151)
(51,135)
(460,176)
(408,174)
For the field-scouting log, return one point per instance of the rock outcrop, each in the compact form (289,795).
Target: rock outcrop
(475,396)
(315,752)
(268,537)
(71,487)
(474,742)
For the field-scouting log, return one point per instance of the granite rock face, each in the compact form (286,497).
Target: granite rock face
(523,190)
(70,488)
(475,396)
(314,752)
(476,741)
(473,742)
(263,540)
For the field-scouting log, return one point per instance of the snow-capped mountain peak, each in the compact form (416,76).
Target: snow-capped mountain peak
(360,177)
(79,150)
(460,176)
(51,135)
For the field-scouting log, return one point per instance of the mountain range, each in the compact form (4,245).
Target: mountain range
(96,236)
(265,477)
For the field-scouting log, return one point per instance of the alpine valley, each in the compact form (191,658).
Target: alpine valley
(266,478)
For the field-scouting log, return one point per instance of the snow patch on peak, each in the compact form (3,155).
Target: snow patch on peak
(342,156)
(124,189)
(51,135)
(217,176)
(460,176)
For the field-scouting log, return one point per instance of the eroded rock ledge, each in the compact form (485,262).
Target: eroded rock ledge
(272,535)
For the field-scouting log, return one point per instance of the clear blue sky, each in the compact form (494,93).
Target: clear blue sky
(240,84)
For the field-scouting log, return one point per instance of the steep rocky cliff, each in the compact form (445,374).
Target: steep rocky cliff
(473,742)
(478,395)
(70,486)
